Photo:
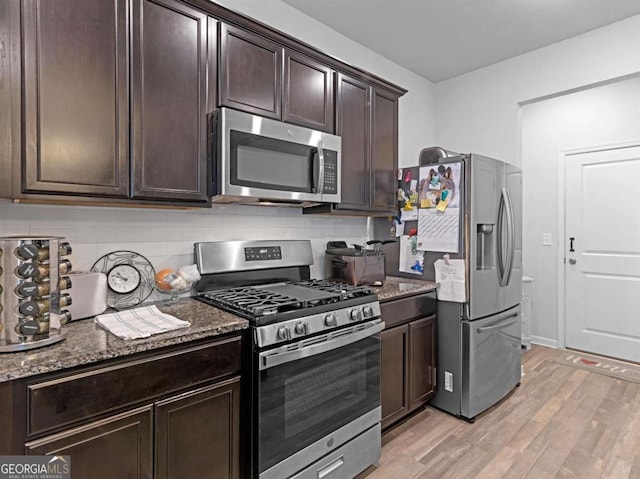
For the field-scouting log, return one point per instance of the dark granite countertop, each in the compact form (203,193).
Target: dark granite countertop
(395,288)
(86,342)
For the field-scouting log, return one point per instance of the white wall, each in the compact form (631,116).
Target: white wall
(481,112)
(416,109)
(607,114)
(166,237)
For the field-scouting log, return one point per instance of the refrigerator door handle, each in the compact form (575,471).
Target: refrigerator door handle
(499,245)
(505,217)
(511,235)
(502,324)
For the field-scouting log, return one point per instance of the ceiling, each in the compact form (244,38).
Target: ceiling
(441,39)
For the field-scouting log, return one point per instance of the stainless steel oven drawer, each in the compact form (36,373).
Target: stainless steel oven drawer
(348,460)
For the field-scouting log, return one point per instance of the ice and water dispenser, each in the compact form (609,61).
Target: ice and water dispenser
(485,244)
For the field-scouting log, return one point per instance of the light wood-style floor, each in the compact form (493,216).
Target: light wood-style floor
(562,422)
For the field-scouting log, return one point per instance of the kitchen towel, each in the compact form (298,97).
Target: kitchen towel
(139,322)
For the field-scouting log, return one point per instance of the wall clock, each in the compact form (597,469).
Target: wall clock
(130,278)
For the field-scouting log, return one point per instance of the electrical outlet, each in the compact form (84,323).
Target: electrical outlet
(546,239)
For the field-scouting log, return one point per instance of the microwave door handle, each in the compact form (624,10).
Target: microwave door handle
(320,188)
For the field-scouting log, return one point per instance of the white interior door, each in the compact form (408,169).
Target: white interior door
(602,274)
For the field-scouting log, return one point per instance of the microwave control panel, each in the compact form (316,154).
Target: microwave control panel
(330,172)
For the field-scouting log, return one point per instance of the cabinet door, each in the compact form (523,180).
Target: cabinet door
(250,72)
(394,370)
(353,120)
(422,360)
(384,150)
(9,101)
(169,99)
(76,105)
(120,446)
(197,434)
(308,92)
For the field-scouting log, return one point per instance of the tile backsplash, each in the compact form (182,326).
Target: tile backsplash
(166,237)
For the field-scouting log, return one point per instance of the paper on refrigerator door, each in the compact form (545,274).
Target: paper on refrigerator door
(439,230)
(451,280)
(411,260)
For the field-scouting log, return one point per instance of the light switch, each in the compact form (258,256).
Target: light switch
(546,239)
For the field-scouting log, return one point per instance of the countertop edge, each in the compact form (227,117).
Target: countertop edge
(87,344)
(395,287)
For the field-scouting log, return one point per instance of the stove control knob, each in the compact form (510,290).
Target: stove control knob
(283,332)
(355,315)
(367,311)
(302,328)
(331,320)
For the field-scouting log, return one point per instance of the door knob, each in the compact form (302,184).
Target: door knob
(572,261)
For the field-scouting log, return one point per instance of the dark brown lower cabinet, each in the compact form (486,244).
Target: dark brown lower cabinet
(120,446)
(169,414)
(196,436)
(408,368)
(395,357)
(197,433)
(422,361)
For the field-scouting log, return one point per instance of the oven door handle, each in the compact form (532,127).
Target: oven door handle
(268,359)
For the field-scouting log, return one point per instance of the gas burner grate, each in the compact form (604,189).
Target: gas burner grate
(272,299)
(345,290)
(253,301)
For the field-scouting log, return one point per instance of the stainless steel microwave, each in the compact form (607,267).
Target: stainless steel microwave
(257,160)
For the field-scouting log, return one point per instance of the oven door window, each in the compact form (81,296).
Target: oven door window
(302,401)
(271,164)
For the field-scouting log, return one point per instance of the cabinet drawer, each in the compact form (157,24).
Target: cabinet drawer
(405,309)
(78,397)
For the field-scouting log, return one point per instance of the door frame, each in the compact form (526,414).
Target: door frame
(563,155)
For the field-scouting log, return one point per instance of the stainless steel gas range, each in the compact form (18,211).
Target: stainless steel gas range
(314,367)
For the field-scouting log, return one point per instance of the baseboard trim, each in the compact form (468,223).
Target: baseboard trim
(551,343)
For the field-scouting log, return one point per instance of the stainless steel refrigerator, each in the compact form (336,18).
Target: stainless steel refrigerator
(479,340)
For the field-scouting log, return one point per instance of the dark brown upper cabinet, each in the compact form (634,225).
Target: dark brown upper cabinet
(75,137)
(88,129)
(250,72)
(367,121)
(169,93)
(308,92)
(262,77)
(354,126)
(384,150)
(108,99)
